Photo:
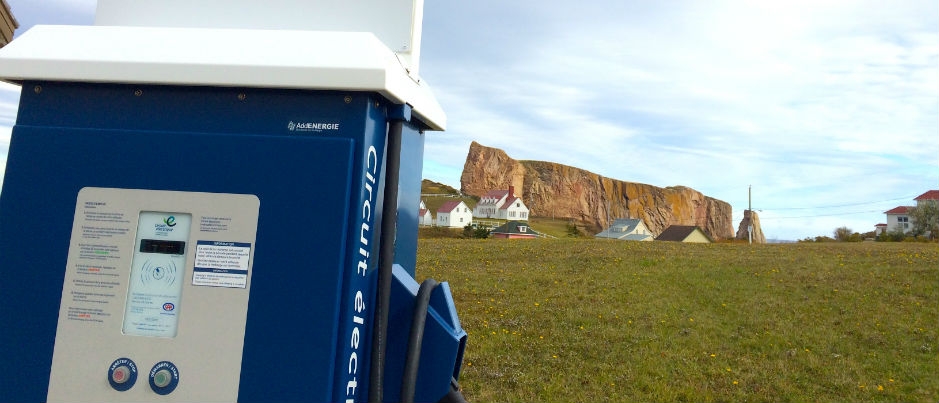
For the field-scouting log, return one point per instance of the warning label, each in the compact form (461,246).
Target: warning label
(221,264)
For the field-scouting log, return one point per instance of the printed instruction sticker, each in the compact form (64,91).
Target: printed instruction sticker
(221,264)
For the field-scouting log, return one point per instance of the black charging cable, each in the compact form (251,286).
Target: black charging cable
(389,219)
(416,339)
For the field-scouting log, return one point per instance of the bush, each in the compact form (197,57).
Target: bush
(896,235)
(470,231)
(820,238)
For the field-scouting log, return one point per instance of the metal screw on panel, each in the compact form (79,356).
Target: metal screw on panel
(138,92)
(37,89)
(348,99)
(242,96)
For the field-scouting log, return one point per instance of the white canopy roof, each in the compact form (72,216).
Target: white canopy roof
(322,60)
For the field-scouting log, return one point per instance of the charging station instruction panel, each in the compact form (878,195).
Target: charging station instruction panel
(155,296)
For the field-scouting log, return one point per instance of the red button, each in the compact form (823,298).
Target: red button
(120,374)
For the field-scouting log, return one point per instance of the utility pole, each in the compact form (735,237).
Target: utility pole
(750,210)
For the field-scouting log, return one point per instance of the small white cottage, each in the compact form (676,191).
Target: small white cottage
(424,217)
(454,214)
(627,229)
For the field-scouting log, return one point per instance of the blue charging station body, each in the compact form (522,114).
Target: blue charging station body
(314,161)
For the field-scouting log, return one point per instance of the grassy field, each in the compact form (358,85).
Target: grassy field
(598,320)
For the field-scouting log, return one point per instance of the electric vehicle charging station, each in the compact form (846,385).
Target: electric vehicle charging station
(201,201)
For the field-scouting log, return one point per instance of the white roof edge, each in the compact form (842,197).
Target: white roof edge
(316,60)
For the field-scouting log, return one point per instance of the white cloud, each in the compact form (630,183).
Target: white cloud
(807,99)
(813,102)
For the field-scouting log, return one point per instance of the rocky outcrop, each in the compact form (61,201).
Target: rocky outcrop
(593,201)
(748,218)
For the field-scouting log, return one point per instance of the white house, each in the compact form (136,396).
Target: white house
(501,204)
(684,233)
(899,217)
(454,214)
(488,206)
(513,209)
(423,215)
(880,229)
(627,229)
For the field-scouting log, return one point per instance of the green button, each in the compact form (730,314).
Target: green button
(162,378)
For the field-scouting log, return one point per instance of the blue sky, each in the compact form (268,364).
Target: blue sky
(829,109)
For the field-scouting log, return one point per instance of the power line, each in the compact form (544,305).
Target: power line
(836,206)
(821,215)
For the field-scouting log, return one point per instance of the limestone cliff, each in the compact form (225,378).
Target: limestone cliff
(555,190)
(748,218)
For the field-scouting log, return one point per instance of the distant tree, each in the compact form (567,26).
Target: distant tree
(925,218)
(573,231)
(819,238)
(843,234)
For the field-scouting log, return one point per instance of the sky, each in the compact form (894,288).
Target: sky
(828,110)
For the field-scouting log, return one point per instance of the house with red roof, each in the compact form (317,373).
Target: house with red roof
(454,214)
(880,228)
(898,218)
(424,216)
(503,204)
(929,196)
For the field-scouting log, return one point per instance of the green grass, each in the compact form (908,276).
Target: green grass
(598,320)
(556,227)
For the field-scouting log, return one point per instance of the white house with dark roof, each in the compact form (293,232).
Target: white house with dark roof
(513,230)
(684,233)
(501,204)
(627,229)
(454,214)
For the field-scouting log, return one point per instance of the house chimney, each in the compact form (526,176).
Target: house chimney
(511,192)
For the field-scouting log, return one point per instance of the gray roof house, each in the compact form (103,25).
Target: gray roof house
(627,229)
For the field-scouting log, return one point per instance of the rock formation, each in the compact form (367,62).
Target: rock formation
(555,190)
(748,218)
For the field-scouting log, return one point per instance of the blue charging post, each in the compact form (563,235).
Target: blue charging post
(192,203)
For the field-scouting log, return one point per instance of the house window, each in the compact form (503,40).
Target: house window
(522,228)
(461,219)
(905,221)
(518,204)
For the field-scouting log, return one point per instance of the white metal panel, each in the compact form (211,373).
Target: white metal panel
(355,61)
(397,23)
